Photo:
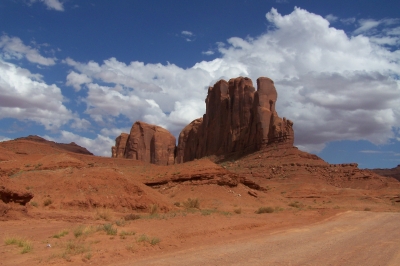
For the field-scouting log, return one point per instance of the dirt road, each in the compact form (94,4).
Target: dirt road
(351,238)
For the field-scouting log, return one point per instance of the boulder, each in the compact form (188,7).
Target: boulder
(239,119)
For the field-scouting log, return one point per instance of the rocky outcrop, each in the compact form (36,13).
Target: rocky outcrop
(238,119)
(118,150)
(147,143)
(393,172)
(8,195)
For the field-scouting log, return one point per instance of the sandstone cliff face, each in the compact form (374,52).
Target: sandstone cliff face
(147,143)
(118,150)
(238,119)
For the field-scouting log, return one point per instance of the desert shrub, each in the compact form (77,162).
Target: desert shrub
(143,238)
(83,230)
(26,245)
(47,202)
(61,234)
(109,229)
(103,214)
(295,204)
(237,211)
(124,234)
(34,204)
(367,209)
(74,248)
(265,210)
(153,209)
(154,241)
(177,204)
(120,222)
(192,203)
(131,216)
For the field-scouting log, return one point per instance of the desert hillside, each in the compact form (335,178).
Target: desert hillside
(108,211)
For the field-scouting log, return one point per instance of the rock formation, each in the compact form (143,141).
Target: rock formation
(147,143)
(118,151)
(238,119)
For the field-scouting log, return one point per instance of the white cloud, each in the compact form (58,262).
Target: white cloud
(25,96)
(51,4)
(331,18)
(187,33)
(348,21)
(100,146)
(366,25)
(2,138)
(333,86)
(13,48)
(76,80)
(209,52)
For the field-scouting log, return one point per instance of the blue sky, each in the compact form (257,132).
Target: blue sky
(84,71)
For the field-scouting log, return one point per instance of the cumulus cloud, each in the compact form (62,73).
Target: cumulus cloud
(331,18)
(14,48)
(51,4)
(76,80)
(25,96)
(332,85)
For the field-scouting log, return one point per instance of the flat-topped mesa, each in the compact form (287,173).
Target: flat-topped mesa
(147,143)
(238,119)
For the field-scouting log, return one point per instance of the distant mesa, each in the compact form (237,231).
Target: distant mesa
(239,120)
(71,147)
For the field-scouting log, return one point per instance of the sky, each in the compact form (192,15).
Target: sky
(85,71)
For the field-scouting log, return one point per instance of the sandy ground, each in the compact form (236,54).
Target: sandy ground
(81,207)
(351,238)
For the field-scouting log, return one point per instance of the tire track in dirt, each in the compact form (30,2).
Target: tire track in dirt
(353,238)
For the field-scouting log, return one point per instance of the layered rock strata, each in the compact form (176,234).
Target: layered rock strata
(238,119)
(147,143)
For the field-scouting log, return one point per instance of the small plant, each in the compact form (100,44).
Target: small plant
(26,245)
(143,238)
(237,211)
(34,204)
(192,203)
(295,204)
(47,202)
(120,222)
(131,216)
(124,234)
(206,212)
(367,209)
(74,248)
(61,234)
(153,209)
(103,214)
(154,241)
(177,204)
(109,229)
(265,210)
(83,230)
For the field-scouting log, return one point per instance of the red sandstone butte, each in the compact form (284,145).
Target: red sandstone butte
(147,143)
(239,119)
(118,150)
